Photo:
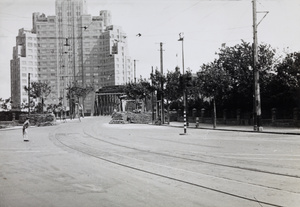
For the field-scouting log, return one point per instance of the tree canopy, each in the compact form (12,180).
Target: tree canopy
(39,90)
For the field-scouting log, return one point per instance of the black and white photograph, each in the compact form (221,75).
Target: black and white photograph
(150,103)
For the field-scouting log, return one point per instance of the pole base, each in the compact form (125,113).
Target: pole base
(260,129)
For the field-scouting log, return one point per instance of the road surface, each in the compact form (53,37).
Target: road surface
(93,163)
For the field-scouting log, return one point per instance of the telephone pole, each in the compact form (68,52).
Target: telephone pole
(162,85)
(134,70)
(257,104)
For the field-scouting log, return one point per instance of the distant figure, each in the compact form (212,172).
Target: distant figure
(25,130)
(80,111)
(64,115)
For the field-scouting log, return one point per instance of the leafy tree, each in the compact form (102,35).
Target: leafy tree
(283,91)
(4,103)
(237,61)
(39,90)
(214,82)
(176,83)
(173,90)
(77,92)
(158,81)
(140,90)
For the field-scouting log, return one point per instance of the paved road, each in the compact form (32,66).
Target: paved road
(92,163)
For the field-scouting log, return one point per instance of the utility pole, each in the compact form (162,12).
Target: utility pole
(152,101)
(134,71)
(29,94)
(257,103)
(162,85)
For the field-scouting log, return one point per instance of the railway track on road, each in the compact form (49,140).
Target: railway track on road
(80,143)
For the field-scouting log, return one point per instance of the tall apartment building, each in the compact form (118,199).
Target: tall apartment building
(23,63)
(75,47)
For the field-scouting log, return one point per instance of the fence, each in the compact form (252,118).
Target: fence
(237,117)
(10,115)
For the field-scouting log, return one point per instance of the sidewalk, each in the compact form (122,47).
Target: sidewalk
(20,126)
(241,128)
(266,129)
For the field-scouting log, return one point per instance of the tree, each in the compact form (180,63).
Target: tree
(39,90)
(237,61)
(173,90)
(77,92)
(158,80)
(215,83)
(4,103)
(176,83)
(140,90)
(283,91)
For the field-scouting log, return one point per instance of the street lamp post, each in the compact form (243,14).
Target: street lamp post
(28,94)
(181,37)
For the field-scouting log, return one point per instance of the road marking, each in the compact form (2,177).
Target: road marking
(28,151)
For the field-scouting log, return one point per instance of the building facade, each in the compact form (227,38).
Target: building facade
(74,47)
(23,65)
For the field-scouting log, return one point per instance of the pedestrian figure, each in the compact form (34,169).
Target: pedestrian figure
(64,115)
(77,112)
(25,130)
(80,110)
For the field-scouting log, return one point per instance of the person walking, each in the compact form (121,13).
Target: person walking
(64,114)
(25,130)
(80,107)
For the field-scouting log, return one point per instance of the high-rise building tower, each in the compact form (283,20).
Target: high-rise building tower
(24,62)
(74,47)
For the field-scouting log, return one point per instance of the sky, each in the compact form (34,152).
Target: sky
(206,25)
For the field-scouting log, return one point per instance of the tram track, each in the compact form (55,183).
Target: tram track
(85,145)
(165,176)
(60,138)
(190,159)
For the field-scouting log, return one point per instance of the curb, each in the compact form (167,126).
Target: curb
(240,130)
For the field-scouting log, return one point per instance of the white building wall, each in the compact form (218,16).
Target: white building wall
(24,62)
